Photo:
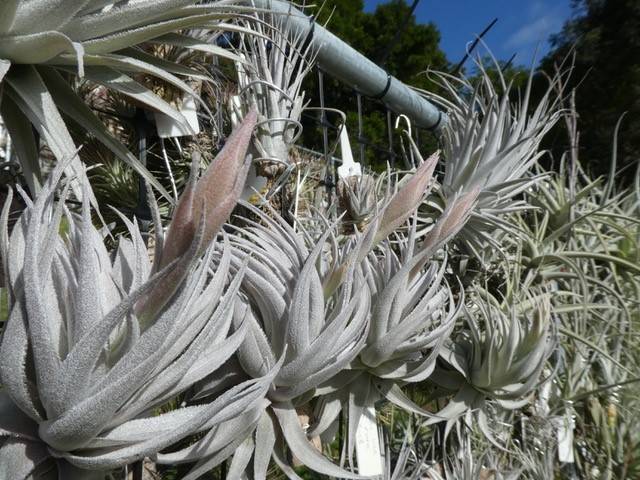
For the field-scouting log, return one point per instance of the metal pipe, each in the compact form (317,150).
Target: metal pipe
(343,62)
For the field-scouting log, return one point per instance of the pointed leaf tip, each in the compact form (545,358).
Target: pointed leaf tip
(452,220)
(407,198)
(213,196)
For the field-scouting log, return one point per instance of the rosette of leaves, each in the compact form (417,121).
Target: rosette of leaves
(283,306)
(316,314)
(491,143)
(274,63)
(42,42)
(288,316)
(412,315)
(292,315)
(94,343)
(358,199)
(498,359)
(412,311)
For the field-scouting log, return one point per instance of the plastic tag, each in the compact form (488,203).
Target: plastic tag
(349,167)
(368,444)
(169,127)
(565,427)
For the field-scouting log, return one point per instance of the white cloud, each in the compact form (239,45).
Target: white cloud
(537,7)
(536,31)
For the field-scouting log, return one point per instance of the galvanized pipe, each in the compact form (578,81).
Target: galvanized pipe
(343,62)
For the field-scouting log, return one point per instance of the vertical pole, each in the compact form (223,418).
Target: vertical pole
(137,470)
(360,128)
(329,179)
(142,211)
(392,155)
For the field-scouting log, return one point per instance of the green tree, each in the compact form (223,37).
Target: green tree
(605,35)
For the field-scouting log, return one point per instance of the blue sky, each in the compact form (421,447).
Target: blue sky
(522,25)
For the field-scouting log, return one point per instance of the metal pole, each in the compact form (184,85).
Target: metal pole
(392,155)
(360,128)
(329,180)
(138,470)
(143,210)
(348,65)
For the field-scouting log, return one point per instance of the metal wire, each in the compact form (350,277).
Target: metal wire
(329,178)
(392,154)
(360,127)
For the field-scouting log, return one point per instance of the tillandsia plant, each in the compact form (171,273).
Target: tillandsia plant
(581,241)
(283,340)
(491,144)
(412,315)
(499,360)
(44,41)
(289,316)
(274,63)
(330,335)
(358,197)
(95,343)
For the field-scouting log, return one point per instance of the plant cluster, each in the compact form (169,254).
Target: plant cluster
(484,320)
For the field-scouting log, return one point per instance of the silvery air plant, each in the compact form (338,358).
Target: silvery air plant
(497,360)
(412,310)
(349,330)
(96,343)
(491,144)
(274,61)
(283,304)
(357,195)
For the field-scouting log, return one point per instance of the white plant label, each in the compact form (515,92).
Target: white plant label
(169,127)
(565,427)
(368,444)
(542,402)
(349,167)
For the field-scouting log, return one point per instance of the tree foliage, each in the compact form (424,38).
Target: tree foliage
(605,37)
